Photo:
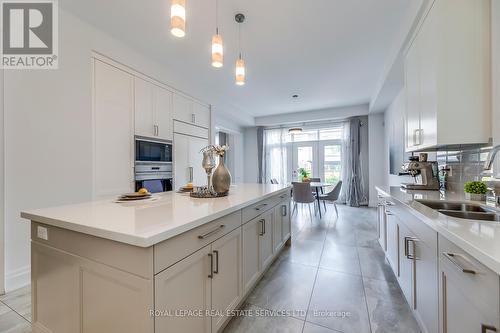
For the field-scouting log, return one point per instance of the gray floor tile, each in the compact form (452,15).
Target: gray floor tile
(367,238)
(376,290)
(257,322)
(338,302)
(20,301)
(340,258)
(374,265)
(306,252)
(11,322)
(286,286)
(312,328)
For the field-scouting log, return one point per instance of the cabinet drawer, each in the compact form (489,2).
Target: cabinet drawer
(192,130)
(172,250)
(260,207)
(479,284)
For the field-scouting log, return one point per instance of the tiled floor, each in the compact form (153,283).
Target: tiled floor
(334,278)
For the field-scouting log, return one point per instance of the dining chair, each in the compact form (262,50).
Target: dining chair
(274,181)
(332,196)
(302,194)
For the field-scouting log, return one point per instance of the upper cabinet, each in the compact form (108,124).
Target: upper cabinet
(153,110)
(190,111)
(448,76)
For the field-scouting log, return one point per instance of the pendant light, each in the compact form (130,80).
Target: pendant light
(240,63)
(178,18)
(217,46)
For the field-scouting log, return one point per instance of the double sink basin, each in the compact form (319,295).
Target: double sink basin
(463,210)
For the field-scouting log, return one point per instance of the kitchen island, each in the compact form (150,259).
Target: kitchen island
(168,264)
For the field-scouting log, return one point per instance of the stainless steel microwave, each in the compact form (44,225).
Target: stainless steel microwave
(147,150)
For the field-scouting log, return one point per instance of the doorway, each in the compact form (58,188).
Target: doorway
(322,159)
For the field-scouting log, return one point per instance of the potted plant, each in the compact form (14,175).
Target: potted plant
(304,174)
(475,191)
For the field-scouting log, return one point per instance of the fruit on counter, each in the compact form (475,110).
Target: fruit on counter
(143,191)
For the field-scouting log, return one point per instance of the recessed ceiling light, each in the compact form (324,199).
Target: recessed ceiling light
(295,96)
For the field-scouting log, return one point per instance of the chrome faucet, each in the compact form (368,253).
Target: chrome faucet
(491,158)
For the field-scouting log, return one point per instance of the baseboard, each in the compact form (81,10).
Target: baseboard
(18,278)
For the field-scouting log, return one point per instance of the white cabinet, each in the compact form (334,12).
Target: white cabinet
(286,221)
(381,225)
(227,286)
(282,224)
(266,240)
(189,111)
(448,76)
(187,160)
(251,254)
(393,242)
(153,110)
(113,130)
(185,286)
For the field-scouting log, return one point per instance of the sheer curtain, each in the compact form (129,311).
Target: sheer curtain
(353,192)
(276,152)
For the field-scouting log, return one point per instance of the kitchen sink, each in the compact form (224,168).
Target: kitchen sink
(463,210)
(472,215)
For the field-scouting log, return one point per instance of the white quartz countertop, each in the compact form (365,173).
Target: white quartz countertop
(148,222)
(480,239)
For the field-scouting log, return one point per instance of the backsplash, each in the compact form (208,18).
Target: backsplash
(465,165)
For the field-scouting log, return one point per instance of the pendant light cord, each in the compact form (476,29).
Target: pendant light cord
(239,38)
(217,17)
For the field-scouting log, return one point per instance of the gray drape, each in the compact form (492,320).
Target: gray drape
(260,153)
(352,193)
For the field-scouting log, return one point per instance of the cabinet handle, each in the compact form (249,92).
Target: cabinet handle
(216,270)
(485,328)
(390,203)
(283,210)
(211,275)
(412,256)
(388,212)
(210,233)
(454,261)
(445,302)
(283,196)
(193,118)
(262,227)
(190,174)
(259,207)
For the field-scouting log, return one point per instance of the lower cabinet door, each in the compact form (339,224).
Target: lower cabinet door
(251,269)
(277,227)
(226,284)
(393,242)
(183,295)
(405,277)
(382,226)
(286,221)
(266,239)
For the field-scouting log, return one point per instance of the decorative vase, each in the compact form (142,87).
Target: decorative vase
(221,178)
(475,197)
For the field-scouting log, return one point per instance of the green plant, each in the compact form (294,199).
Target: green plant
(303,172)
(475,188)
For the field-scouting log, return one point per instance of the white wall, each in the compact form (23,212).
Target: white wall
(378,167)
(495,37)
(251,163)
(2,188)
(48,132)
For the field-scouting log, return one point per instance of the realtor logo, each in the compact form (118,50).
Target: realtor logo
(29,37)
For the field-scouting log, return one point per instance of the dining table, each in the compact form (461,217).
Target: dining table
(319,186)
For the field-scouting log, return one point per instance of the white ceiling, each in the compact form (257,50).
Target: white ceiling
(330,52)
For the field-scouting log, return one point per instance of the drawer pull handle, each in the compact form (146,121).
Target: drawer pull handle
(211,275)
(259,207)
(216,270)
(284,210)
(485,328)
(389,203)
(262,227)
(210,233)
(283,196)
(454,261)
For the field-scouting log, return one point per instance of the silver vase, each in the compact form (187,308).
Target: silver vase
(221,178)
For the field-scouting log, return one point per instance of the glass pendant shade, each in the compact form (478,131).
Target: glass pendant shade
(217,51)
(178,18)
(240,72)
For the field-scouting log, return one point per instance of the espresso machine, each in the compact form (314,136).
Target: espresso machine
(425,175)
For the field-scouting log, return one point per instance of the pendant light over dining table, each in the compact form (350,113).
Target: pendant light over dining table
(178,18)
(240,63)
(217,46)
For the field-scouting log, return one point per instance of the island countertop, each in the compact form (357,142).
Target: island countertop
(146,223)
(481,239)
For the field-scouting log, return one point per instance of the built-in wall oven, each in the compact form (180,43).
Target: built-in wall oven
(153,165)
